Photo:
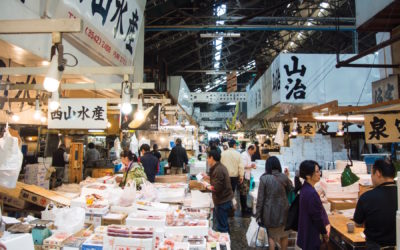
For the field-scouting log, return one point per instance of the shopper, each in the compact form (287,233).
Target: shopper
(376,209)
(220,186)
(244,187)
(256,155)
(91,156)
(313,220)
(133,169)
(232,161)
(155,152)
(178,158)
(149,162)
(60,158)
(272,202)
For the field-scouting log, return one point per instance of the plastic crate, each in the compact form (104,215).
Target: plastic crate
(371,158)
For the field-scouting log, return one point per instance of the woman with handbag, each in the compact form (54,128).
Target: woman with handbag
(272,202)
(313,220)
(133,170)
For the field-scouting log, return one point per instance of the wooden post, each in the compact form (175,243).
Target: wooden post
(75,163)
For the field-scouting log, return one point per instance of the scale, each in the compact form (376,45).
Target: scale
(40,230)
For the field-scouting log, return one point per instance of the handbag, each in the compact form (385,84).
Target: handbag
(292,222)
(290,195)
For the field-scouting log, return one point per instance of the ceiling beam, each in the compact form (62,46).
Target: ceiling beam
(99,70)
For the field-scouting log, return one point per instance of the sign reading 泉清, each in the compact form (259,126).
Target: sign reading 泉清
(381,128)
(110,27)
(386,89)
(75,113)
(305,128)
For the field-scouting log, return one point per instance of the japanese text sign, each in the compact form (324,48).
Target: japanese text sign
(110,27)
(386,89)
(382,128)
(79,114)
(305,128)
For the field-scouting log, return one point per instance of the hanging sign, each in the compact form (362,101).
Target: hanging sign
(305,128)
(110,27)
(149,122)
(231,82)
(79,114)
(382,128)
(386,89)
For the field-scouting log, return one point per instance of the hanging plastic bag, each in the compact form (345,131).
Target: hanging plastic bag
(148,191)
(10,160)
(50,214)
(70,220)
(128,196)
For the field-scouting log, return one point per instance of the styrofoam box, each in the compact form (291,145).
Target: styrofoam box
(126,210)
(188,230)
(89,189)
(181,245)
(115,243)
(81,202)
(134,219)
(153,206)
(171,194)
(18,241)
(359,167)
(202,246)
(94,219)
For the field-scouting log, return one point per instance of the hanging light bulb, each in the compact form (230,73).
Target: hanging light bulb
(43,119)
(54,102)
(15,118)
(340,131)
(294,129)
(139,115)
(126,106)
(108,124)
(38,113)
(53,76)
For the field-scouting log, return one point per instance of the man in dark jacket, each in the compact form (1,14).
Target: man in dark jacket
(178,158)
(220,186)
(256,155)
(60,158)
(149,162)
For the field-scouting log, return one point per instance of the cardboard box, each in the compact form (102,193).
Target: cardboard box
(342,204)
(42,197)
(113,218)
(172,178)
(364,189)
(10,197)
(101,172)
(195,185)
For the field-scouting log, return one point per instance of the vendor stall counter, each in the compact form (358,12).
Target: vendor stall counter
(341,238)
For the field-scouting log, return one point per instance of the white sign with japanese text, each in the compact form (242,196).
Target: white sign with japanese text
(110,27)
(76,113)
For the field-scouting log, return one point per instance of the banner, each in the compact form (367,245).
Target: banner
(231,82)
(150,122)
(76,113)
(305,128)
(382,128)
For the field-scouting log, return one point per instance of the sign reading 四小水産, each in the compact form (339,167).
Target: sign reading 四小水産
(76,113)
(381,128)
(305,128)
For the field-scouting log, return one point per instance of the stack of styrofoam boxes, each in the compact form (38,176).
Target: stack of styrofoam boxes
(333,189)
(35,174)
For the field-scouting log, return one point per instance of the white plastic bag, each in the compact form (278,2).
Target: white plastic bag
(148,191)
(50,214)
(70,220)
(128,196)
(115,195)
(10,160)
(256,236)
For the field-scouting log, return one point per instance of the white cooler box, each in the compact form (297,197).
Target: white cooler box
(188,230)
(146,219)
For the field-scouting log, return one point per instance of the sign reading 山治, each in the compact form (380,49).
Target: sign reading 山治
(79,114)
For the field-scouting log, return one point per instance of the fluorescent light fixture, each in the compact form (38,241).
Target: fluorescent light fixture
(309,23)
(217,35)
(288,6)
(53,76)
(340,131)
(96,131)
(231,104)
(359,118)
(324,5)
(54,102)
(294,129)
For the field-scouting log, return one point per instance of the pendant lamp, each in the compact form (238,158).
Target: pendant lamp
(348,177)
